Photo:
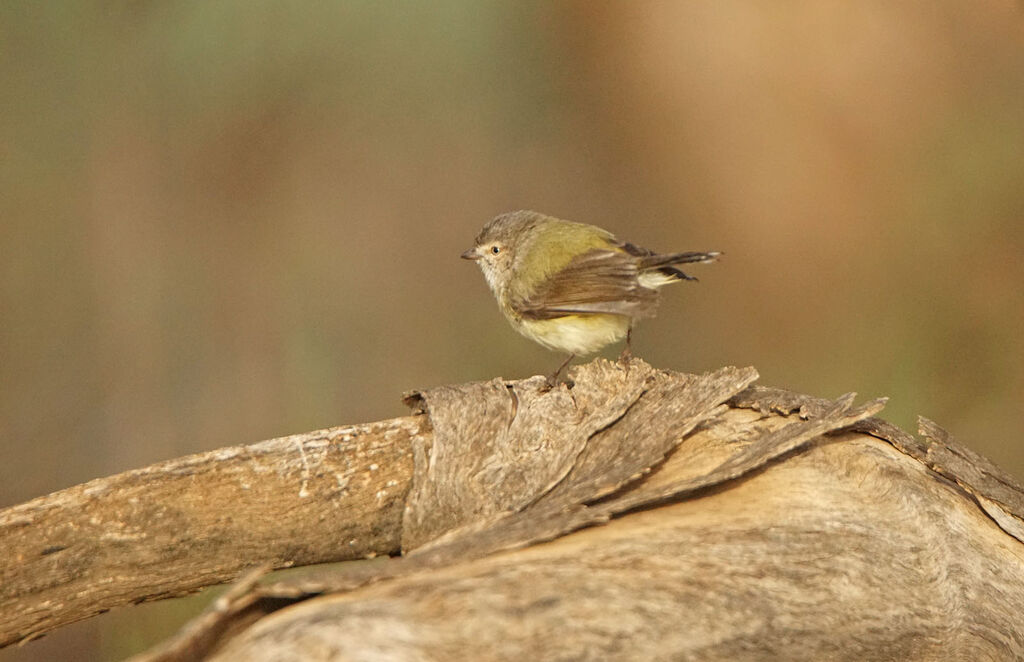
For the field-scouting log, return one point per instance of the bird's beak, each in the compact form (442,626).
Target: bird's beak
(471,254)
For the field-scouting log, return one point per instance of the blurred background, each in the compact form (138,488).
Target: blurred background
(232,220)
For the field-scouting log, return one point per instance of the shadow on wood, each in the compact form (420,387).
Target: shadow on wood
(631,514)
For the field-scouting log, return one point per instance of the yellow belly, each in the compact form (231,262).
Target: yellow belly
(575,334)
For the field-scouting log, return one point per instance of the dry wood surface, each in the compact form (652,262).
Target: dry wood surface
(632,513)
(180,525)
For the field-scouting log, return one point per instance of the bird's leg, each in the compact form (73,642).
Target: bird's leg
(553,378)
(627,351)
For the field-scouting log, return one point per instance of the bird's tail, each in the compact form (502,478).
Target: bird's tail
(655,261)
(661,264)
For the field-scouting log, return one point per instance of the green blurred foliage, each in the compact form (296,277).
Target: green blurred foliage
(226,221)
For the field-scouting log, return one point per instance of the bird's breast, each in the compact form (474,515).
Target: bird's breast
(574,334)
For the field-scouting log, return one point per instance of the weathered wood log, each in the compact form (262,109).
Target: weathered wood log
(177,526)
(643,514)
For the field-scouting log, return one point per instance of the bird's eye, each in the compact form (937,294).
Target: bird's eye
(495,250)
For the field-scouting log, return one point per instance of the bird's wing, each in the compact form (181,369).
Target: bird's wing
(598,281)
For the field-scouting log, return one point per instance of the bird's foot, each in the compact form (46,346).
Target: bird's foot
(627,352)
(553,377)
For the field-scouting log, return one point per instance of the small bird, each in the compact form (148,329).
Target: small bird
(572,287)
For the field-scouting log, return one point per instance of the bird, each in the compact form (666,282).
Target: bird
(572,287)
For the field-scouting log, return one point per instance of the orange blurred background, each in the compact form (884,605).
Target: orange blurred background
(226,221)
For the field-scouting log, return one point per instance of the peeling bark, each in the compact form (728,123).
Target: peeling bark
(631,514)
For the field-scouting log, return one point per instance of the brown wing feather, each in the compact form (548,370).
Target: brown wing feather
(599,281)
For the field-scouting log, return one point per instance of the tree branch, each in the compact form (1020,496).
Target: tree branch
(177,526)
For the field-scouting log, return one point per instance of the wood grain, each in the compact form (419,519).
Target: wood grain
(180,525)
(632,513)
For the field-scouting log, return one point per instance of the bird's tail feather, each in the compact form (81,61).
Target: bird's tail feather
(656,261)
(656,270)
